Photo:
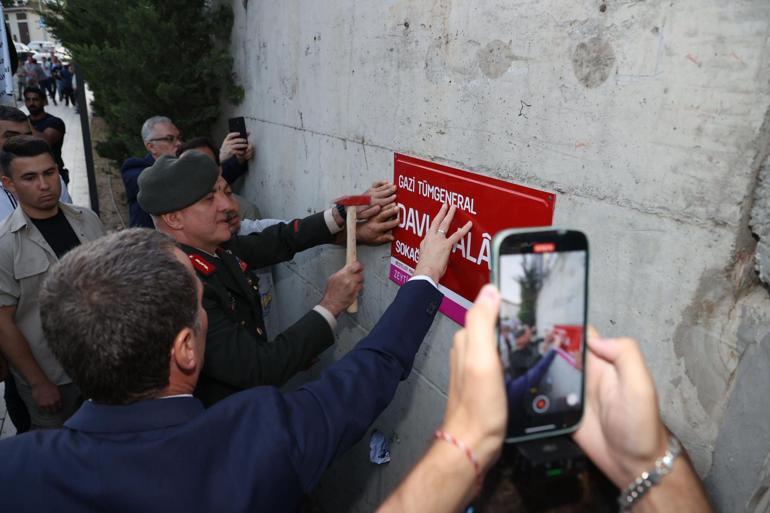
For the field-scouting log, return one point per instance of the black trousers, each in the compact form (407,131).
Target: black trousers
(17,410)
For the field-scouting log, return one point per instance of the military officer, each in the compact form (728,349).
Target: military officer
(189,201)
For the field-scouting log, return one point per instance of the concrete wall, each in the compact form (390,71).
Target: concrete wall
(647,118)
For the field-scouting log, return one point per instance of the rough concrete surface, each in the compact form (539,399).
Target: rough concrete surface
(647,118)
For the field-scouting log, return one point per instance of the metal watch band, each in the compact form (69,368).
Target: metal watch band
(646,480)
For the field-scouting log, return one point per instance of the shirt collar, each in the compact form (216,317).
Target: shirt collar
(139,416)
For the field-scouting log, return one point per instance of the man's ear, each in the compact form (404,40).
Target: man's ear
(8,184)
(173,220)
(183,351)
(149,145)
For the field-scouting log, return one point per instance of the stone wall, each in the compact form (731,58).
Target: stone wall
(649,119)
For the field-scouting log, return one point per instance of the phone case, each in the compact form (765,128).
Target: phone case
(495,279)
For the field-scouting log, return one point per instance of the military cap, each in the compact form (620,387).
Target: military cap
(171,183)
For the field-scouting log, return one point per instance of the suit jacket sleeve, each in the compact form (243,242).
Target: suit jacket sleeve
(235,356)
(280,242)
(328,416)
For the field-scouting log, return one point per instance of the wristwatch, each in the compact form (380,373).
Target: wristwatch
(649,478)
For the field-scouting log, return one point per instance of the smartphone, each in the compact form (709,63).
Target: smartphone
(237,125)
(542,276)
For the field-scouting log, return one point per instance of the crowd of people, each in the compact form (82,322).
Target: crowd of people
(51,75)
(142,364)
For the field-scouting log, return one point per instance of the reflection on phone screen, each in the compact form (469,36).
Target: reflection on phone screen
(541,328)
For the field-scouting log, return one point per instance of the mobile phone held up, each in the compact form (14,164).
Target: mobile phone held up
(237,125)
(542,276)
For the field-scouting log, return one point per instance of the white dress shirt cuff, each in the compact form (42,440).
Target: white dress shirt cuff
(330,222)
(326,314)
(423,277)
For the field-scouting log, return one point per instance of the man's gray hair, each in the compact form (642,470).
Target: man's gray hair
(111,310)
(148,125)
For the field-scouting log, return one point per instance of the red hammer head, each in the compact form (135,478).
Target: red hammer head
(353,201)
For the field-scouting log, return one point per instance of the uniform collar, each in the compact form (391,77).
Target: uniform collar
(130,418)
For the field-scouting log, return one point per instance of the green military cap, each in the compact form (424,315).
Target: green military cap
(171,183)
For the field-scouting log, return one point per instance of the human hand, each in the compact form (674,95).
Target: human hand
(436,246)
(476,410)
(46,396)
(377,230)
(382,194)
(233,144)
(621,430)
(343,287)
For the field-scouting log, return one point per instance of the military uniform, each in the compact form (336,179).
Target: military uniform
(238,353)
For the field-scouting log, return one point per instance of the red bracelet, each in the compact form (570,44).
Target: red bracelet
(440,435)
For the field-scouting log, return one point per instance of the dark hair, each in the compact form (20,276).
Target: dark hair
(199,142)
(111,309)
(12,114)
(22,146)
(34,89)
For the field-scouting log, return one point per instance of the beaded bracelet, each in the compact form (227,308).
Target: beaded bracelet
(440,435)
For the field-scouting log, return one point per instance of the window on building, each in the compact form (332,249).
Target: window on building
(21,16)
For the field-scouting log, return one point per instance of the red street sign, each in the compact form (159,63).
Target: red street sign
(491,204)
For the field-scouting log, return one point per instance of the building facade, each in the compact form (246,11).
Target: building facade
(24,21)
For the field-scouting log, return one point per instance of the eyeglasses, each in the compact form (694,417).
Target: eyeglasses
(168,138)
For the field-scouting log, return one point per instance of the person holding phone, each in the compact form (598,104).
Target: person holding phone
(621,430)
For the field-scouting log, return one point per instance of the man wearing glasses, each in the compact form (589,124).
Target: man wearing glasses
(161,137)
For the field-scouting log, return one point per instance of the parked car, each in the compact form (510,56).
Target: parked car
(44,47)
(21,47)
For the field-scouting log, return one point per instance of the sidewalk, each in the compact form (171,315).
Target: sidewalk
(72,152)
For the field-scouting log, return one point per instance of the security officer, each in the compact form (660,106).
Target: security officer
(189,201)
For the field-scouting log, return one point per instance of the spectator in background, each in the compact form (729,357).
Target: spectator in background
(33,72)
(38,233)
(162,137)
(47,126)
(66,74)
(56,69)
(48,83)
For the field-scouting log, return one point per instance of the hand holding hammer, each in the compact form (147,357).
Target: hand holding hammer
(350,203)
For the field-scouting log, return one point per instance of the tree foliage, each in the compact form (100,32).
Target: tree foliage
(149,57)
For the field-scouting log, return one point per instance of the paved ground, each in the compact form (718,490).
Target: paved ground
(74,159)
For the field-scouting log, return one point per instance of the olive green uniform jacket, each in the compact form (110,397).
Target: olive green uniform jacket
(238,353)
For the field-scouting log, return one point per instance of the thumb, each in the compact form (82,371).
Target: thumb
(625,356)
(480,321)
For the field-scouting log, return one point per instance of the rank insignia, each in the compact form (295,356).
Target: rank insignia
(201,265)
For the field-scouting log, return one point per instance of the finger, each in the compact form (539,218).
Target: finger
(354,267)
(434,226)
(624,355)
(385,199)
(453,391)
(388,225)
(460,233)
(480,321)
(447,221)
(367,212)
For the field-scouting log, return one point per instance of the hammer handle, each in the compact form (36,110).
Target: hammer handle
(350,254)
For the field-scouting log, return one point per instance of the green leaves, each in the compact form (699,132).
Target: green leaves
(149,57)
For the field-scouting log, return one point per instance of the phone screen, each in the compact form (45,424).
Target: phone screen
(543,283)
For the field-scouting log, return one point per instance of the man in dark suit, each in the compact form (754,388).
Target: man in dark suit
(190,202)
(142,442)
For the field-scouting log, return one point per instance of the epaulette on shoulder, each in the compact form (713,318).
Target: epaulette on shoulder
(202,265)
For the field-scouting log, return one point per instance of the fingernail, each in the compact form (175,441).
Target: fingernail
(488,293)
